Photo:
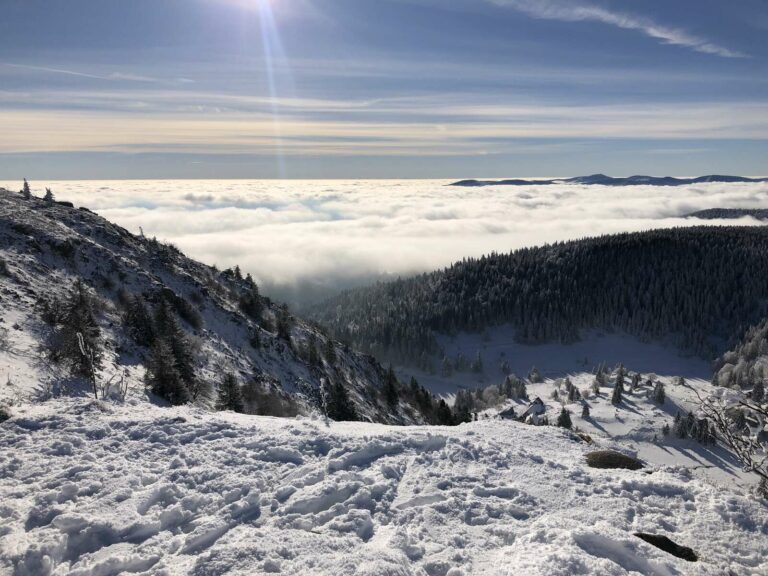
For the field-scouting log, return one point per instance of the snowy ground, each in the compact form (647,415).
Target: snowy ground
(101,489)
(554,360)
(636,424)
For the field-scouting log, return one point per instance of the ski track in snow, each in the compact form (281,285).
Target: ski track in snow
(99,489)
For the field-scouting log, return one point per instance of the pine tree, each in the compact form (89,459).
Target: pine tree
(585,411)
(665,429)
(138,320)
(49,198)
(80,334)
(162,377)
(564,419)
(390,392)
(659,394)
(681,426)
(443,414)
(284,323)
(168,329)
(463,406)
(691,426)
(26,192)
(702,431)
(250,302)
(230,397)
(313,356)
(340,407)
(522,390)
(600,377)
(330,353)
(618,390)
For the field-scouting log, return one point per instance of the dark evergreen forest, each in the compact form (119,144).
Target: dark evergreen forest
(698,288)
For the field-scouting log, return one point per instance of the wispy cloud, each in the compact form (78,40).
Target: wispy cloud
(392,128)
(111,76)
(576,12)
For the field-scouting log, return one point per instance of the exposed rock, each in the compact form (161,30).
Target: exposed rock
(612,459)
(664,543)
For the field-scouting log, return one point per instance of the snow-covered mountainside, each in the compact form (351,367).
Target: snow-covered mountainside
(95,488)
(696,289)
(46,247)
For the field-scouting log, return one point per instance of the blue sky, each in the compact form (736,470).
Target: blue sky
(381,88)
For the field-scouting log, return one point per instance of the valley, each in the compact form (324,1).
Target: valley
(284,433)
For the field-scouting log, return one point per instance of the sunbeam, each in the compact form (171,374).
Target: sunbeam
(273,48)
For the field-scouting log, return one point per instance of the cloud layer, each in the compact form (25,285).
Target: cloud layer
(444,126)
(306,239)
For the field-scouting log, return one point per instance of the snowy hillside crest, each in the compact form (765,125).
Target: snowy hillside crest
(90,309)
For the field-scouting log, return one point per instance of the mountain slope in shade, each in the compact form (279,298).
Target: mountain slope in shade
(45,248)
(603,180)
(696,288)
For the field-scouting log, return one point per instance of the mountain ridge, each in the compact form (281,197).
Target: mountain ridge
(48,249)
(603,180)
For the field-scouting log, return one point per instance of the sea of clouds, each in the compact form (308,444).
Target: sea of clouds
(304,240)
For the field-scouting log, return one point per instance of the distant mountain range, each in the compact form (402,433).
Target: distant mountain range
(603,180)
(729,213)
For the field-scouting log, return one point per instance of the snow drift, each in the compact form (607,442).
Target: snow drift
(89,488)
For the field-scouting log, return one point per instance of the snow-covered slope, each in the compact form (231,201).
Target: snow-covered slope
(45,247)
(498,347)
(92,488)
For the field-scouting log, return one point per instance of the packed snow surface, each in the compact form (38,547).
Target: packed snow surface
(92,488)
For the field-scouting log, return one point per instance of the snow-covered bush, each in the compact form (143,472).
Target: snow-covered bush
(741,422)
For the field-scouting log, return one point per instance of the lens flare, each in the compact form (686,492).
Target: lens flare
(273,49)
